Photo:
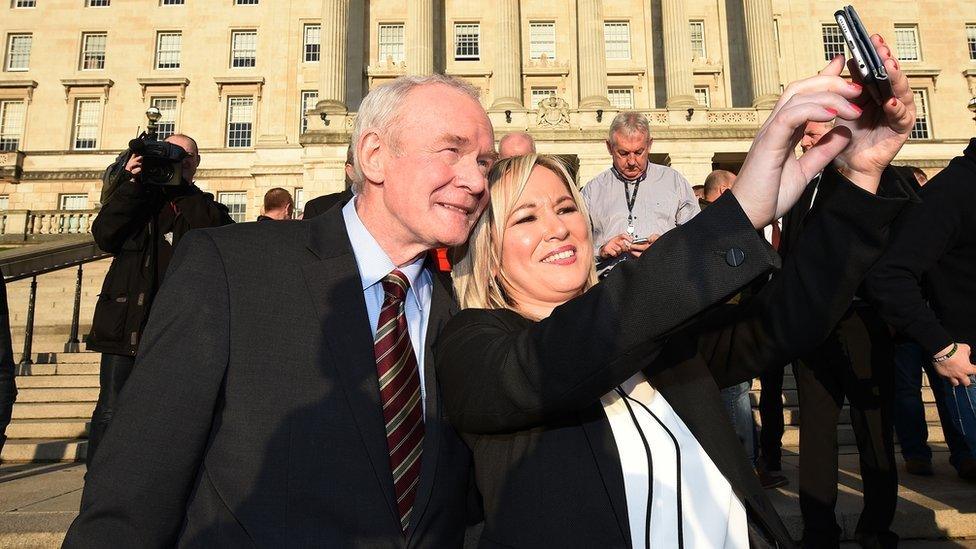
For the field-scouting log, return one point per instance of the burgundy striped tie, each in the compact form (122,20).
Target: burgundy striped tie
(399,378)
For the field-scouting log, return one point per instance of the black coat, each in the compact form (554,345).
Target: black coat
(321,204)
(8,374)
(127,227)
(253,416)
(526,395)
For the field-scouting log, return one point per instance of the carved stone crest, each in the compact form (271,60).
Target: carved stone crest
(552,111)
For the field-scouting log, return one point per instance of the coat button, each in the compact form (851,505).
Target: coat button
(735,257)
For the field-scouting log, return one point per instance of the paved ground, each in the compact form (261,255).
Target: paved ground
(38,502)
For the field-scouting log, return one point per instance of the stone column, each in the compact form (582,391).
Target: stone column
(332,60)
(677,55)
(763,61)
(420,37)
(592,55)
(507,80)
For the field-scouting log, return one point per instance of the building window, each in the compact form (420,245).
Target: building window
(12,114)
(921,129)
(971,41)
(93,50)
(833,41)
(4,202)
(906,43)
(621,98)
(391,42)
(73,202)
(97,3)
(466,41)
(236,202)
(240,120)
(538,94)
(309,99)
(18,52)
(299,203)
(703,96)
(246,2)
(167,121)
(697,39)
(25,3)
(172,2)
(616,35)
(88,115)
(168,45)
(542,39)
(244,48)
(313,43)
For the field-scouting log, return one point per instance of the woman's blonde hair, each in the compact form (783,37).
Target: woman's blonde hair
(479,279)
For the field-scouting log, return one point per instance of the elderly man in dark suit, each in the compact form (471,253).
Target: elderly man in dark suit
(283,395)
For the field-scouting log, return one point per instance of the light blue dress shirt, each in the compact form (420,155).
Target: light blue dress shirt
(373,265)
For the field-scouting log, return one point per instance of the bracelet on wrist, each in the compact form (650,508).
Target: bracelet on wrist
(948,355)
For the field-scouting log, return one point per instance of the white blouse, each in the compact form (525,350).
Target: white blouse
(712,515)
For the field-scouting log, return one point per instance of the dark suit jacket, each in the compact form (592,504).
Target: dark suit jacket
(253,418)
(321,204)
(527,402)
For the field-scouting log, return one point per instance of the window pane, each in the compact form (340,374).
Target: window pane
(93,51)
(466,37)
(616,35)
(312,42)
(172,2)
(246,2)
(24,3)
(88,114)
(921,129)
(167,122)
(244,46)
(168,45)
(906,43)
(542,40)
(697,39)
(971,41)
(538,94)
(391,43)
(12,114)
(621,98)
(240,118)
(97,3)
(299,202)
(833,42)
(73,202)
(703,96)
(236,202)
(18,52)
(309,99)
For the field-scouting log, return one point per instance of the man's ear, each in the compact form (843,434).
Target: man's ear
(650,141)
(372,156)
(609,147)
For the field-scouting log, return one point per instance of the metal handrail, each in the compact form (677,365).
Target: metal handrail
(40,259)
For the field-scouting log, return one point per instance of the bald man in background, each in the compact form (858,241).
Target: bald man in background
(717,183)
(516,144)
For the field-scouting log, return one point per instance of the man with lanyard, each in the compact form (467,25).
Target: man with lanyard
(634,202)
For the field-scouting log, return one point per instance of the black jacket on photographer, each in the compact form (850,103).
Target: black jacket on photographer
(140,224)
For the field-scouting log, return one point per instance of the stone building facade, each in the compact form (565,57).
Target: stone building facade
(270,88)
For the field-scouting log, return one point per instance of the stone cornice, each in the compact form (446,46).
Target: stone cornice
(71,83)
(61,175)
(255,83)
(163,82)
(27,86)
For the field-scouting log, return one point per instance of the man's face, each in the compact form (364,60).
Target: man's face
(811,134)
(191,162)
(515,145)
(435,182)
(629,153)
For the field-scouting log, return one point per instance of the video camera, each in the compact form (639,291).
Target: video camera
(162,162)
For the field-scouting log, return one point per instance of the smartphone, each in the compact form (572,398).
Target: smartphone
(639,240)
(869,63)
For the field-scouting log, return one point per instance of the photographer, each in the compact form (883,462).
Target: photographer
(147,208)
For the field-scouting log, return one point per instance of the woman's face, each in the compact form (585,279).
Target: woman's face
(546,250)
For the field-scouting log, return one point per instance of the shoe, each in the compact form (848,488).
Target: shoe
(967,469)
(920,467)
(770,465)
(770,481)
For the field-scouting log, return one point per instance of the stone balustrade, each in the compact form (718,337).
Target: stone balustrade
(39,225)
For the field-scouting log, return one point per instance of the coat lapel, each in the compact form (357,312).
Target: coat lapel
(336,290)
(605,453)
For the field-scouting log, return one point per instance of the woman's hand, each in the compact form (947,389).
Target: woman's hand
(772,177)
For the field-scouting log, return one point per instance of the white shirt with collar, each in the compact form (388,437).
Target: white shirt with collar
(373,265)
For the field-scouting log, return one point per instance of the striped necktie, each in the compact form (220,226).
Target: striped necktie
(399,379)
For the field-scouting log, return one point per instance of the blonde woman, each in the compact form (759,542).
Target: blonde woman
(593,410)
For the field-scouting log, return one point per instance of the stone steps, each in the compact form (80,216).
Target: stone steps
(791,414)
(56,427)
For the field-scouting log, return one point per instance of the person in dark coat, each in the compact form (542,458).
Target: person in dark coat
(8,372)
(141,225)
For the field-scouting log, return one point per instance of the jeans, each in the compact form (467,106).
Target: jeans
(961,404)
(910,360)
(113,373)
(736,399)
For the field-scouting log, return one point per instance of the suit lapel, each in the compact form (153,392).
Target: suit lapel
(607,457)
(336,290)
(442,307)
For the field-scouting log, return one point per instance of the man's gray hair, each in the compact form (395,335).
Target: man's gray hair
(380,112)
(629,123)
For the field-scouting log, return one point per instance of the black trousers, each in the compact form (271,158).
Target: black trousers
(771,417)
(854,362)
(113,373)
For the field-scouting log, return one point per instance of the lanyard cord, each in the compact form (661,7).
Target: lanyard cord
(631,199)
(650,469)
(650,476)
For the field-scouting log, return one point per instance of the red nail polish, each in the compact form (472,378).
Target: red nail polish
(856,108)
(855,86)
(893,102)
(881,38)
(833,112)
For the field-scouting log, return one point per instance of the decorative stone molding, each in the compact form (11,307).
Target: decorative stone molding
(246,84)
(552,111)
(62,175)
(72,84)
(545,67)
(920,72)
(737,117)
(970,75)
(18,88)
(168,83)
